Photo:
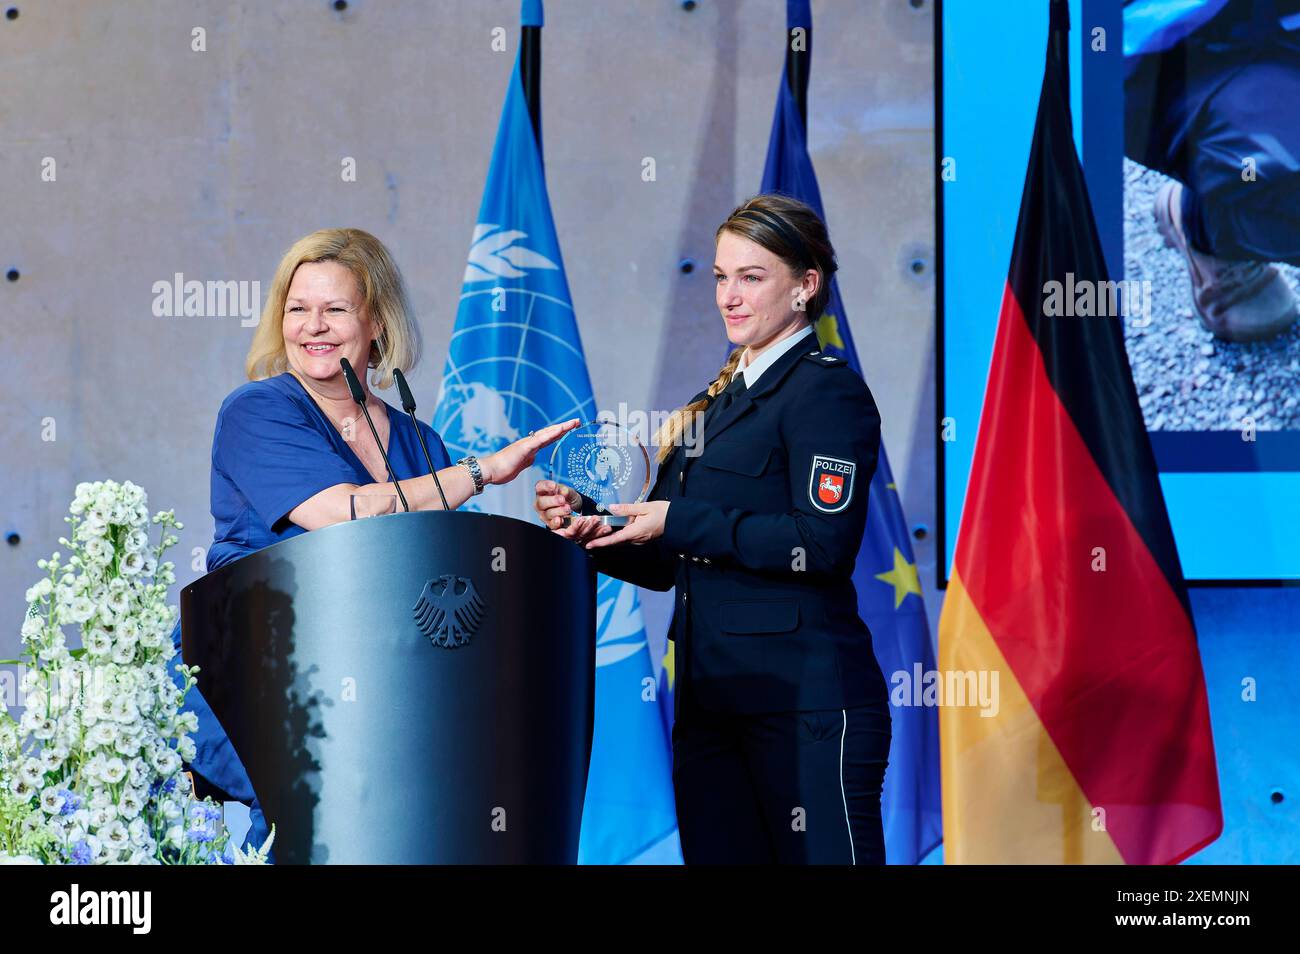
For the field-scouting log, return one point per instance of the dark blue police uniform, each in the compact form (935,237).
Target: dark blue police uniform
(782,720)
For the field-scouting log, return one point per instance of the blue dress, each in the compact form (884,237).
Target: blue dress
(272,449)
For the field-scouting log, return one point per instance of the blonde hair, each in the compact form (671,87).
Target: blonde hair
(397,337)
(671,431)
(793,232)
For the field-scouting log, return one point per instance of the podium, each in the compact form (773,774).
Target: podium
(415,688)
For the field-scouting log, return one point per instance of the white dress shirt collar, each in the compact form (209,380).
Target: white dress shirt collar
(755,368)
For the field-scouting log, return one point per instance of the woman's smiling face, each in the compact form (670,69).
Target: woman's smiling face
(756,292)
(325,320)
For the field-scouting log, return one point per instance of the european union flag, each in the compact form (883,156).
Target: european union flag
(515,364)
(889,589)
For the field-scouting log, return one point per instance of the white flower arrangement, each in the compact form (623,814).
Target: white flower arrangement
(91,772)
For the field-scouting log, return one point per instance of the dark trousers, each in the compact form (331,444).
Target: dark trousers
(218,772)
(1195,112)
(783,788)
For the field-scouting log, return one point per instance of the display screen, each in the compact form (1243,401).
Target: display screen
(1184,115)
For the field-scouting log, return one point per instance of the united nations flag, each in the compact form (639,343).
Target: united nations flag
(515,364)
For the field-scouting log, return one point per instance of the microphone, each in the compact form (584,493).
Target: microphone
(359,396)
(408,405)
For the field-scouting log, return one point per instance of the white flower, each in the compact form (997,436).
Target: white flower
(52,757)
(131,564)
(175,836)
(165,761)
(119,599)
(128,744)
(21,788)
(101,818)
(98,643)
(115,835)
(256,856)
(97,550)
(31,772)
(138,829)
(79,609)
(114,771)
(51,801)
(124,710)
(152,639)
(130,805)
(80,495)
(123,654)
(138,772)
(17,859)
(55,648)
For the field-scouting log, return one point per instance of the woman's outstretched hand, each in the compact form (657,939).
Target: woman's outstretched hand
(646,523)
(507,463)
(556,502)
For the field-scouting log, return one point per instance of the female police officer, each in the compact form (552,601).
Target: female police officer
(782,723)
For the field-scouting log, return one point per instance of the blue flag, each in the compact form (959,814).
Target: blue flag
(515,364)
(889,588)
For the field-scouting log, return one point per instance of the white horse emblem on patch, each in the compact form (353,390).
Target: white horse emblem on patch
(830,485)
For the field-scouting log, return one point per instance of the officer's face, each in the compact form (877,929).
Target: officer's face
(757,293)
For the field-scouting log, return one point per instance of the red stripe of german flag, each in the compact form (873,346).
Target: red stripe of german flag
(1065,581)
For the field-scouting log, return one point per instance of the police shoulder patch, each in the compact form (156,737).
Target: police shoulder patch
(830,483)
(820,357)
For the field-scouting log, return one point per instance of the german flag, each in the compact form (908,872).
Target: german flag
(1066,586)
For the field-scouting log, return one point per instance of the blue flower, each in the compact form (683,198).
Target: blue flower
(203,827)
(204,812)
(80,853)
(228,856)
(71,802)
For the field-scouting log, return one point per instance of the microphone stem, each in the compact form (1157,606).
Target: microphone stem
(380,444)
(429,460)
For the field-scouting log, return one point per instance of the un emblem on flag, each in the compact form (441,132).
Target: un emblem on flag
(449,611)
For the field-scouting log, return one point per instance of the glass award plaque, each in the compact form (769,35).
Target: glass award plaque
(604,463)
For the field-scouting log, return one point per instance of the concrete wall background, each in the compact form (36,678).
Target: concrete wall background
(212,163)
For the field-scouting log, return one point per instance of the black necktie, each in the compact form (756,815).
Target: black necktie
(727,397)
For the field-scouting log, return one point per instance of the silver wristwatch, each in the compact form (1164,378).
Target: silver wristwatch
(475,472)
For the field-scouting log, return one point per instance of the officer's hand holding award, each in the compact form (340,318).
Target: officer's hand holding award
(599,476)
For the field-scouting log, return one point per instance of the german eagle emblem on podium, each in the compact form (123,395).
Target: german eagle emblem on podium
(449,611)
